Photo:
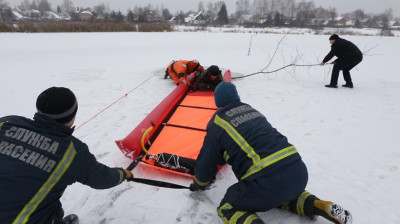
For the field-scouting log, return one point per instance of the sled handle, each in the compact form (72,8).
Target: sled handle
(145,134)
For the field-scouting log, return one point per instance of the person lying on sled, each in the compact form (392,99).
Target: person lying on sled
(270,171)
(179,70)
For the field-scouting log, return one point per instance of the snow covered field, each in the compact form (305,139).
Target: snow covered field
(348,138)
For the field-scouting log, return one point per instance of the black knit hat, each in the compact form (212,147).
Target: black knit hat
(58,103)
(334,37)
(213,70)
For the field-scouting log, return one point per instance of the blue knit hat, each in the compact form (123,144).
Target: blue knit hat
(225,93)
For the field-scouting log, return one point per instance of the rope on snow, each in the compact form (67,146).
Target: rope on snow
(125,95)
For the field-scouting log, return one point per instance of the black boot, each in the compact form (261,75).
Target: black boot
(71,219)
(348,85)
(331,86)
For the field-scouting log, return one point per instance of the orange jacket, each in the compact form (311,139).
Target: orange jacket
(178,70)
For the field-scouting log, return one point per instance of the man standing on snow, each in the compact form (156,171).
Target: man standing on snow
(348,56)
(270,170)
(40,158)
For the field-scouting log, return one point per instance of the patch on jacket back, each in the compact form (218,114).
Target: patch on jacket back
(241,114)
(21,151)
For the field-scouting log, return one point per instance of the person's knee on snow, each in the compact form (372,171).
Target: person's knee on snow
(229,215)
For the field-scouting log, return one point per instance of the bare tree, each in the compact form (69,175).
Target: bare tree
(68,6)
(293,63)
(287,8)
(201,6)
(384,22)
(261,7)
(33,5)
(3,5)
(100,10)
(166,14)
(44,6)
(359,14)
(332,13)
(242,7)
(25,5)
(389,13)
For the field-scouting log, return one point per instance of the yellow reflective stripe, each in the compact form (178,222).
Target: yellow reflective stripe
(226,156)
(251,218)
(53,179)
(200,183)
(121,176)
(226,206)
(242,143)
(271,159)
(300,202)
(1,124)
(236,216)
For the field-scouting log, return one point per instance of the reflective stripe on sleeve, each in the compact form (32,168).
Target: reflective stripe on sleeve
(121,176)
(202,184)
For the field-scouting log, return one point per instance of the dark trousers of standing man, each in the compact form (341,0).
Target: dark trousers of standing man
(345,66)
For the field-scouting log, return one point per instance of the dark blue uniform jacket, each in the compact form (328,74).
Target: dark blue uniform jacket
(38,160)
(241,136)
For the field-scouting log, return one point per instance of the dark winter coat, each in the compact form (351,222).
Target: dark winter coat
(38,160)
(241,136)
(345,51)
(203,81)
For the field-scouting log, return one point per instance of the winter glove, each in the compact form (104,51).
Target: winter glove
(195,187)
(129,175)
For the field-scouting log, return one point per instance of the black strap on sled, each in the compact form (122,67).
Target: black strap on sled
(156,183)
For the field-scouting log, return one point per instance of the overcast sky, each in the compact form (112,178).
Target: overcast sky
(342,6)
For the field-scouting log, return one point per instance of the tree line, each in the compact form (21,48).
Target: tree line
(248,13)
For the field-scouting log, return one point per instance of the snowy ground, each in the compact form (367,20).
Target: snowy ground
(347,137)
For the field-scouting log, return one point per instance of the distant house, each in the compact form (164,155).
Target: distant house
(394,24)
(64,16)
(33,14)
(85,15)
(351,23)
(199,18)
(178,19)
(146,16)
(340,21)
(17,16)
(245,18)
(51,16)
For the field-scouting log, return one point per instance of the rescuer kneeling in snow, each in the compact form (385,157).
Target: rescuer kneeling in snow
(40,158)
(270,170)
(179,70)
